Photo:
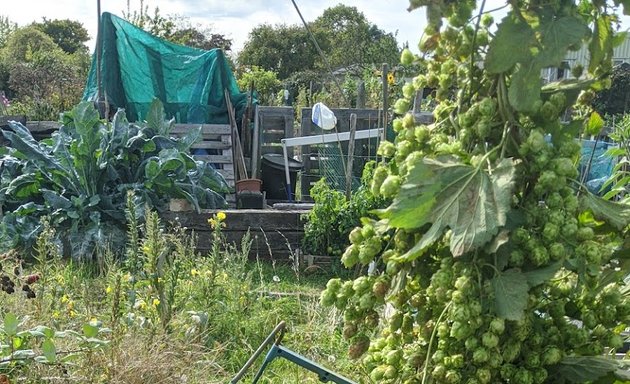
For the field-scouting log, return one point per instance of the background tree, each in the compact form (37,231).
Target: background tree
(176,29)
(280,48)
(6,28)
(41,78)
(616,99)
(352,42)
(69,35)
(265,82)
(345,36)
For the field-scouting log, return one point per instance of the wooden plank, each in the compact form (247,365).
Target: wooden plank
(217,129)
(243,219)
(42,126)
(210,145)
(215,159)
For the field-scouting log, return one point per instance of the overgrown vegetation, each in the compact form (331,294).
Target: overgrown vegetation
(164,314)
(493,264)
(333,216)
(80,178)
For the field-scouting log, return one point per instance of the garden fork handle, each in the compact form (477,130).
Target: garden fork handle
(277,331)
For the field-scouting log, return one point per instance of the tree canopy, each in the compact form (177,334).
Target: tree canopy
(69,35)
(616,99)
(344,34)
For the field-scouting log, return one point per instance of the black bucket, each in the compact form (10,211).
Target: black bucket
(274,178)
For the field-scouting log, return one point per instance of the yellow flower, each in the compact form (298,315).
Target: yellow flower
(64,299)
(156,302)
(72,313)
(221,215)
(108,290)
(212,222)
(390,78)
(140,304)
(56,314)
(194,272)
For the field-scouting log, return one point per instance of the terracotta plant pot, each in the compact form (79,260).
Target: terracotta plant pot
(252,185)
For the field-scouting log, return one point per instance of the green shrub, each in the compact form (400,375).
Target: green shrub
(80,177)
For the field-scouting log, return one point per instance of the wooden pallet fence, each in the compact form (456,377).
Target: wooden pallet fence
(274,234)
(216,140)
(271,125)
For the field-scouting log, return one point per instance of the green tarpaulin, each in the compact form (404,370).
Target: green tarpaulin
(137,67)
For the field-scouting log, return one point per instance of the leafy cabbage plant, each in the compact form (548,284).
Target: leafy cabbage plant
(80,177)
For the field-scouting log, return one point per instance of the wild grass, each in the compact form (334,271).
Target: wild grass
(166,314)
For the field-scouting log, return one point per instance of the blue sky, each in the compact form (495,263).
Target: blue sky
(233,18)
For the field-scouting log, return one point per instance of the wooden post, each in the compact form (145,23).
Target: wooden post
(361,95)
(255,144)
(384,74)
(99,48)
(353,131)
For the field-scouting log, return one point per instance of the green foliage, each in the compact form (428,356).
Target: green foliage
(615,100)
(491,249)
(176,29)
(80,177)
(344,34)
(620,178)
(265,82)
(6,28)
(41,79)
(21,347)
(332,218)
(221,308)
(69,35)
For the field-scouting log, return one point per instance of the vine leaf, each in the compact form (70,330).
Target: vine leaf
(538,276)
(525,87)
(614,213)
(510,294)
(594,124)
(581,369)
(557,36)
(472,202)
(510,45)
(601,45)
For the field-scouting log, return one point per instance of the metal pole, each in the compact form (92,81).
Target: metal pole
(278,329)
(99,99)
(353,131)
(384,73)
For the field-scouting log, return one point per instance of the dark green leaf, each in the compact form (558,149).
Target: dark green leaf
(446,193)
(582,369)
(49,350)
(613,213)
(511,45)
(557,35)
(525,88)
(10,324)
(539,276)
(510,294)
(601,46)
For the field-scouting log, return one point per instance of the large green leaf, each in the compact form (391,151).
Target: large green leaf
(614,213)
(538,276)
(557,35)
(510,294)
(582,369)
(49,351)
(155,118)
(469,200)
(525,88)
(10,324)
(601,45)
(511,45)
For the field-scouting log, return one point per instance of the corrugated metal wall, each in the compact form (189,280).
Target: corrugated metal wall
(621,54)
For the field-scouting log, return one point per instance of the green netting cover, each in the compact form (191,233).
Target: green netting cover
(137,67)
